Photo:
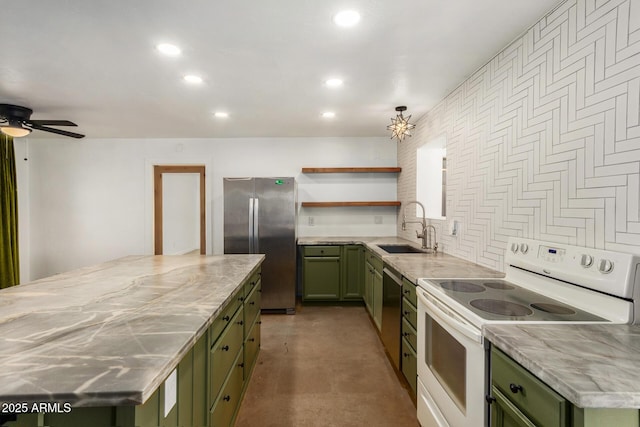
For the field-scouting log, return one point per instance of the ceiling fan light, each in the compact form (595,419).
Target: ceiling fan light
(15,130)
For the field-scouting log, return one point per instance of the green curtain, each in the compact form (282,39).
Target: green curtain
(9,260)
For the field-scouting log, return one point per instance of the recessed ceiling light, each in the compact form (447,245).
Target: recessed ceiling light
(328,114)
(168,49)
(346,18)
(190,78)
(221,114)
(333,82)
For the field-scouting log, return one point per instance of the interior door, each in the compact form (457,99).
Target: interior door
(175,216)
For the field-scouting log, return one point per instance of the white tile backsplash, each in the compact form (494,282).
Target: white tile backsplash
(543,141)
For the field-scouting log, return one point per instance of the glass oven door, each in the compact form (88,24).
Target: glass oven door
(450,365)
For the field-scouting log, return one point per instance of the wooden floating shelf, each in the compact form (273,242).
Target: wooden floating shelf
(342,204)
(351,170)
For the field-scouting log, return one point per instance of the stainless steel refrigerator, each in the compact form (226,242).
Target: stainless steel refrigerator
(260,216)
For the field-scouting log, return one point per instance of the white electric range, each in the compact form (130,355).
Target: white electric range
(544,282)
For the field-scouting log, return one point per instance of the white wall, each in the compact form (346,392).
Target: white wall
(544,140)
(91,200)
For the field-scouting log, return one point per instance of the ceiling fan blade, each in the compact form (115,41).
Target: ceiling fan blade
(52,122)
(52,130)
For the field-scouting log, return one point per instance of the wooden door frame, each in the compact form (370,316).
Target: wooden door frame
(158,170)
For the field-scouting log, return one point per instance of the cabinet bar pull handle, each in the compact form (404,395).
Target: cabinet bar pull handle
(225,348)
(515,388)
(490,399)
(226,318)
(227,398)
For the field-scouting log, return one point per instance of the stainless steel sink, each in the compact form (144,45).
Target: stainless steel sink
(400,249)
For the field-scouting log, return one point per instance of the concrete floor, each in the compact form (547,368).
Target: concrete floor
(324,366)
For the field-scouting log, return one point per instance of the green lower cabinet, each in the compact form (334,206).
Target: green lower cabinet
(224,409)
(251,348)
(537,401)
(409,360)
(521,399)
(332,273)
(506,414)
(373,287)
(409,365)
(377,298)
(223,354)
(352,272)
(321,276)
(368,288)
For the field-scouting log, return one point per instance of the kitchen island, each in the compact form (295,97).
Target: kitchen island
(111,339)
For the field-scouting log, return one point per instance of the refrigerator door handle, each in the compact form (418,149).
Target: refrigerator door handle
(256,224)
(251,224)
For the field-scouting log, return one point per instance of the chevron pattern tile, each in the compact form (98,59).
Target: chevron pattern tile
(544,140)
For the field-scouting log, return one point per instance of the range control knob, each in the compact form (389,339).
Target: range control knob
(605,266)
(524,248)
(586,261)
(514,248)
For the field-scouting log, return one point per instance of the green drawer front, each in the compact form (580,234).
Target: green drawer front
(409,365)
(322,251)
(224,352)
(409,333)
(224,410)
(505,413)
(534,398)
(251,348)
(224,317)
(252,307)
(252,282)
(410,313)
(409,292)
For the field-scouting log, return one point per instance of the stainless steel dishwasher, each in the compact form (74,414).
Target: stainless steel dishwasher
(391,312)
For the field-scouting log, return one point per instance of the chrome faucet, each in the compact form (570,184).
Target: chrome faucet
(427,242)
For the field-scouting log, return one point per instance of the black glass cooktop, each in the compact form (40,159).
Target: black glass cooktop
(496,299)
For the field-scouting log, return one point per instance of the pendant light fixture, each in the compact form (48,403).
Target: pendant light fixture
(400,126)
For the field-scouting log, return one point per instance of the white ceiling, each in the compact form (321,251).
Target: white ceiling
(264,62)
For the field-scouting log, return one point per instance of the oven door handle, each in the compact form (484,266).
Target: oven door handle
(447,317)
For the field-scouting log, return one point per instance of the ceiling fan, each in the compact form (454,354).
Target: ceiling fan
(16,121)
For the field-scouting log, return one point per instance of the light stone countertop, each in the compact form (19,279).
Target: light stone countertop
(413,265)
(110,334)
(593,366)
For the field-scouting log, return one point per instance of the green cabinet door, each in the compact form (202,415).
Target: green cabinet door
(368,288)
(506,414)
(377,298)
(352,272)
(321,278)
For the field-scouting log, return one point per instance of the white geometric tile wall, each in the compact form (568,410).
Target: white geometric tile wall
(544,140)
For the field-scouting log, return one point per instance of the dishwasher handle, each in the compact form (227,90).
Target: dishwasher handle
(392,275)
